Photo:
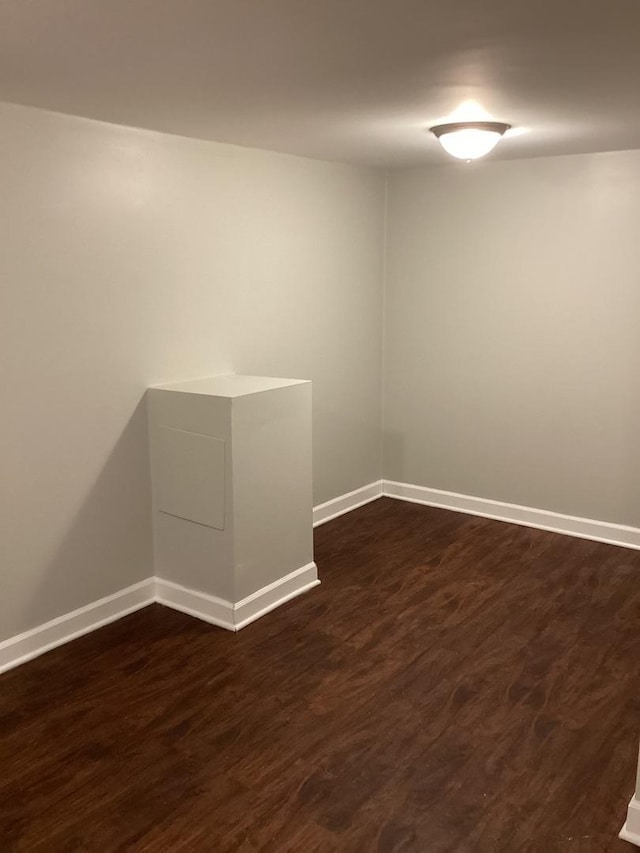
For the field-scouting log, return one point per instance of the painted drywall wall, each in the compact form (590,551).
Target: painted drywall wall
(132,258)
(512,332)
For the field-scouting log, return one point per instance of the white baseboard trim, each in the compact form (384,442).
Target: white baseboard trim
(31,644)
(208,608)
(345,503)
(542,519)
(269,597)
(632,837)
(231,616)
(631,830)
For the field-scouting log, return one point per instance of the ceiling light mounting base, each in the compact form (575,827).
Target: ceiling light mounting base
(455,126)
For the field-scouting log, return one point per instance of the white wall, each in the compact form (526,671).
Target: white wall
(512,343)
(130,258)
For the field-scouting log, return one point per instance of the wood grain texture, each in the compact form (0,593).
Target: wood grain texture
(455,684)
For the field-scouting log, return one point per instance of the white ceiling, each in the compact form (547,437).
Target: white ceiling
(354,80)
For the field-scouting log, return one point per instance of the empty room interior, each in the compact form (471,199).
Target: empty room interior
(320,441)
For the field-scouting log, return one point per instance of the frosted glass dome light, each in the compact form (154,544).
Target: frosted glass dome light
(469,140)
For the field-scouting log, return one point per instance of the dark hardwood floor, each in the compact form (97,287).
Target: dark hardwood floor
(455,684)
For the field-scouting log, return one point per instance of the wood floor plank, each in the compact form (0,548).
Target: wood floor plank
(455,684)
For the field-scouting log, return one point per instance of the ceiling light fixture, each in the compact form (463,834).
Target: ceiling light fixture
(469,140)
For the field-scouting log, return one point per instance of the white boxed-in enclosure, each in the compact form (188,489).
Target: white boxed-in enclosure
(232,495)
